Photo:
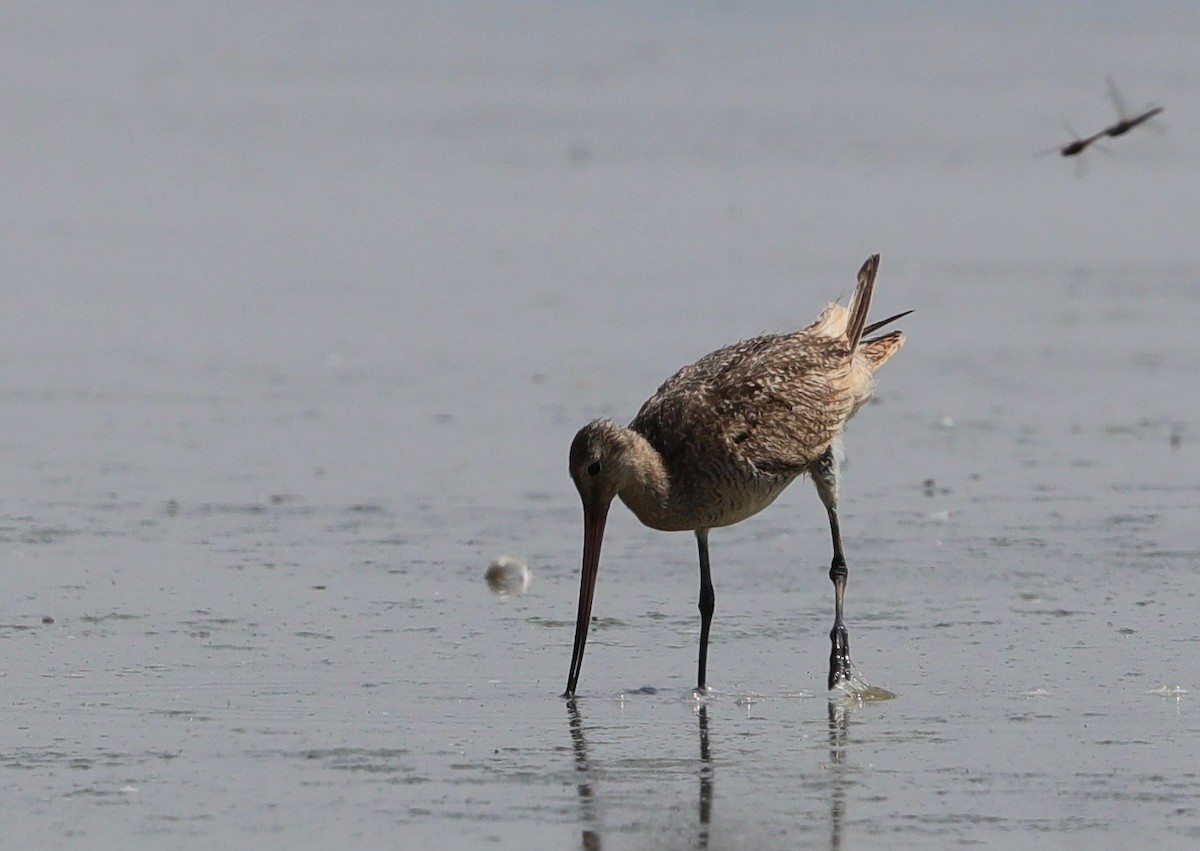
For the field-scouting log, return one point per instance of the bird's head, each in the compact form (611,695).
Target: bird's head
(599,470)
(599,464)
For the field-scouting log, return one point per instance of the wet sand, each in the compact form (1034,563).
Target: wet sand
(301,315)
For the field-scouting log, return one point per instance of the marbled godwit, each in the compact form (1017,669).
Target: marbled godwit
(722,438)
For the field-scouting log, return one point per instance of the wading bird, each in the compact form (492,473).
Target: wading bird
(722,438)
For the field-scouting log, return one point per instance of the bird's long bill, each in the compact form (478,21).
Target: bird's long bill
(593,535)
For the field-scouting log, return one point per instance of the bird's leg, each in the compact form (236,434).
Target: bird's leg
(708,601)
(839,651)
(824,472)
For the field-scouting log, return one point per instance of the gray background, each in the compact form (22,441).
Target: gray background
(303,302)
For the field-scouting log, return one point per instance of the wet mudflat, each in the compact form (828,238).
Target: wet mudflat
(294,347)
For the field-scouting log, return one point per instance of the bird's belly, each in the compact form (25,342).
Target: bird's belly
(722,505)
(736,505)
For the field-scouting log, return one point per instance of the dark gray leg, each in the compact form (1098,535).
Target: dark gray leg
(824,472)
(708,602)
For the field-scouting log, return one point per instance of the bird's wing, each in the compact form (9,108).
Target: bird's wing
(773,403)
(1117,101)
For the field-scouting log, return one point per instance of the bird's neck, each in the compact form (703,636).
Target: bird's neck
(646,487)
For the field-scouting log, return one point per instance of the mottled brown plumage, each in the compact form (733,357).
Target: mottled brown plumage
(722,438)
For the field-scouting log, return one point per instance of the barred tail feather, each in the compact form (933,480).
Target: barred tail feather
(875,326)
(861,303)
(880,349)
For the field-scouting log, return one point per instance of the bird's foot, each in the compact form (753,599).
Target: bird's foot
(839,656)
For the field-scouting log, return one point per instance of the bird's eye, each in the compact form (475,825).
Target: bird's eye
(594,468)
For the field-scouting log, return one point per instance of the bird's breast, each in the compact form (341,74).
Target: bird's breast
(706,504)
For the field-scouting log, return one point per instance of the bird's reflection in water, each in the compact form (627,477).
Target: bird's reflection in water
(706,780)
(840,710)
(590,835)
(839,714)
(590,840)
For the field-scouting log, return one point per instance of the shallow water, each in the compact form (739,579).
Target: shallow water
(301,315)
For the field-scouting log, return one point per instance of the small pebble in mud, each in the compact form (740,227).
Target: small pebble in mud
(508,577)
